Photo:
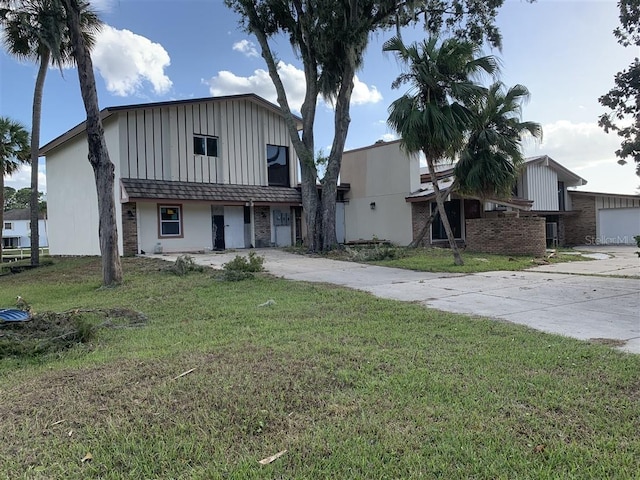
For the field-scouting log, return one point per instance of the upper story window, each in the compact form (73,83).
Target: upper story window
(8,226)
(204,145)
(170,221)
(561,197)
(278,165)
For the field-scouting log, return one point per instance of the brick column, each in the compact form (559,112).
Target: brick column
(129,230)
(262,217)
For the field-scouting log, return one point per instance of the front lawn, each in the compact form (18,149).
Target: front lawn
(350,385)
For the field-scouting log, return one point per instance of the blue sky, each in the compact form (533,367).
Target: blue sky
(562,50)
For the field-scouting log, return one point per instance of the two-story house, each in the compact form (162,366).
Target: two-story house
(190,175)
(391,196)
(16,229)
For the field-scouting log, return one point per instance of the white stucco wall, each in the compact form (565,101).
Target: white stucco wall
(72,202)
(196,228)
(384,175)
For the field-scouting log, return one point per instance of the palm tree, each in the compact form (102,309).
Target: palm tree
(35,30)
(489,165)
(432,117)
(14,150)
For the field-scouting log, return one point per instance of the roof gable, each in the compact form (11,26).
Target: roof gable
(109,112)
(564,172)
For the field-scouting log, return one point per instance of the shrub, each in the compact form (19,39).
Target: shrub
(185,264)
(376,253)
(242,268)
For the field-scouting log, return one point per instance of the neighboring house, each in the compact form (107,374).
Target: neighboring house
(391,196)
(190,175)
(16,229)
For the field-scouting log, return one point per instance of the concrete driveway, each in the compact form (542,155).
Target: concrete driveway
(580,306)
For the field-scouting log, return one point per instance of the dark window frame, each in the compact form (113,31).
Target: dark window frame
(274,174)
(562,203)
(205,145)
(161,222)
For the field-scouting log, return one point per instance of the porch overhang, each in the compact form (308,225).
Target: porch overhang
(138,190)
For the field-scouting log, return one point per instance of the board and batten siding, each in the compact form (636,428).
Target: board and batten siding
(157,143)
(542,187)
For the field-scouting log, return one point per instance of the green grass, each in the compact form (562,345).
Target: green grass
(441,260)
(352,386)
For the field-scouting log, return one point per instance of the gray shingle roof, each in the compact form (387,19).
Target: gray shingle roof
(20,214)
(137,189)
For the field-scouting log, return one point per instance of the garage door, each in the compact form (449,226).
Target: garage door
(618,226)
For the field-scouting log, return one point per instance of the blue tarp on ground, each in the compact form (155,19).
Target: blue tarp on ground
(13,315)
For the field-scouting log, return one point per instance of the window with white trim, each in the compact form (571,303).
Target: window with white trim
(8,226)
(170,221)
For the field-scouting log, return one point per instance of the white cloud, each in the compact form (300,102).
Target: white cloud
(228,83)
(390,137)
(246,47)
(588,151)
(126,61)
(22,178)
(102,6)
(363,94)
(576,145)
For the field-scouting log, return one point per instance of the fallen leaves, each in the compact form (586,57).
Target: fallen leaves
(87,458)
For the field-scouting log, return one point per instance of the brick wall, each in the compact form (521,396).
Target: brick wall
(578,229)
(129,230)
(262,221)
(507,236)
(419,215)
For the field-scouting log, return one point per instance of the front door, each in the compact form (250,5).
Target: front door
(234,227)
(217,226)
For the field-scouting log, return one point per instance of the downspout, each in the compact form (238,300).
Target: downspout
(253,224)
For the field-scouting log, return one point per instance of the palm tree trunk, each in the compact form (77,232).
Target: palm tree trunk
(425,229)
(35,147)
(103,169)
(443,214)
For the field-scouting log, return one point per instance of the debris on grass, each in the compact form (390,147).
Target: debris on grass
(49,332)
(184,265)
(268,303)
(272,458)
(87,458)
(183,374)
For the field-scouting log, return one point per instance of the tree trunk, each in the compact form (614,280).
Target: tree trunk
(103,169)
(342,119)
(423,232)
(35,148)
(443,214)
(303,144)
